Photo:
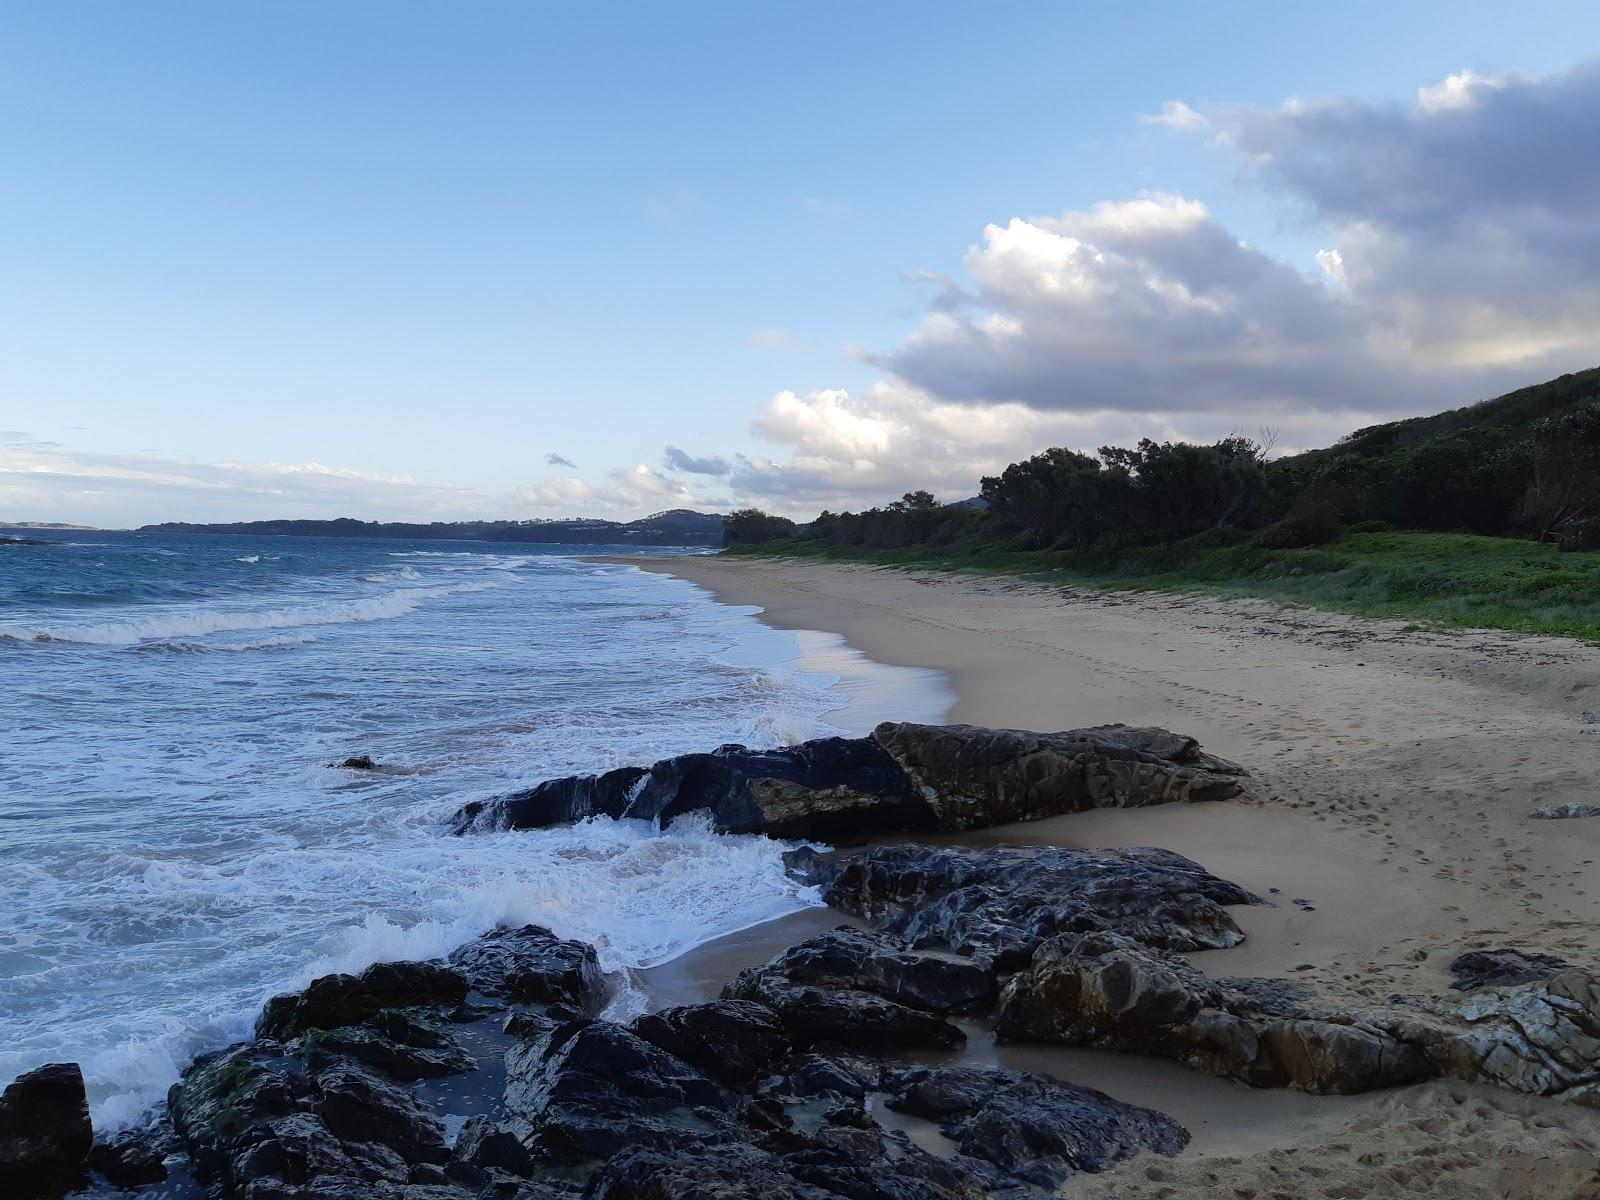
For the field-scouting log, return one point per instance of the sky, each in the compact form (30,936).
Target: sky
(480,260)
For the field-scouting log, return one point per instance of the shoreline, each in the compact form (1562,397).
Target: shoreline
(1385,850)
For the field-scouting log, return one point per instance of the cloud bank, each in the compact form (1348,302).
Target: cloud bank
(1462,259)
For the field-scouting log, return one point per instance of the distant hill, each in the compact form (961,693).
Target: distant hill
(45,525)
(674,527)
(1508,417)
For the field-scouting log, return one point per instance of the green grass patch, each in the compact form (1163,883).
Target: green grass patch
(1449,579)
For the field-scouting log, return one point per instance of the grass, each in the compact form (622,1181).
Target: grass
(1449,579)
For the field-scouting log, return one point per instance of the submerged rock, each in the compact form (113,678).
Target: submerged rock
(903,777)
(131,1158)
(45,1133)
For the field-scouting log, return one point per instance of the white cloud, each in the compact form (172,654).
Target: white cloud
(1175,114)
(1462,259)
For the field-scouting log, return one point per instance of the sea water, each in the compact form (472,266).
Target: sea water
(177,842)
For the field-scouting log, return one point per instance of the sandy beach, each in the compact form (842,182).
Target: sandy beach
(1394,773)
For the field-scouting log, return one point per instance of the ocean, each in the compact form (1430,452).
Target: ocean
(177,843)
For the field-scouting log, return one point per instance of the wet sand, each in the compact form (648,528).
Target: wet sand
(1394,773)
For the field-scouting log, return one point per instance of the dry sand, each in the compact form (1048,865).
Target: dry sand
(1394,773)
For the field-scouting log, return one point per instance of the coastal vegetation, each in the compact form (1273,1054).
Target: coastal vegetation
(1485,516)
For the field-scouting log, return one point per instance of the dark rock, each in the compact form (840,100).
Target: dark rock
(855,987)
(869,961)
(131,1158)
(1105,990)
(822,788)
(1036,1129)
(844,1016)
(1000,903)
(487,1144)
(733,1041)
(394,1042)
(973,778)
(1502,968)
(532,965)
(700,1173)
(45,1133)
(225,1108)
(359,762)
(903,777)
(592,1089)
(336,1000)
(22,541)
(812,1075)
(358,1106)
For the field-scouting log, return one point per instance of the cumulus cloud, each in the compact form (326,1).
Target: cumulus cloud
(678,460)
(1462,258)
(559,460)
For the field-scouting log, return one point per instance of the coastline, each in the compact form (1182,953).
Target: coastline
(1388,821)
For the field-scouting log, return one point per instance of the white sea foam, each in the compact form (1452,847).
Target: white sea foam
(178,848)
(200,622)
(248,558)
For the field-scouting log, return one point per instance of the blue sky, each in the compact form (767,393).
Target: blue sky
(384,259)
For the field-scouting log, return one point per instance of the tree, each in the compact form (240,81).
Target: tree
(751,526)
(1565,489)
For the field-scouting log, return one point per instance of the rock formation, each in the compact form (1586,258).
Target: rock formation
(44,1132)
(902,777)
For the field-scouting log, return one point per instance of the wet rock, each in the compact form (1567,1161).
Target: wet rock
(870,961)
(717,1173)
(1036,1129)
(394,1042)
(592,1089)
(999,903)
(131,1158)
(821,788)
(359,1106)
(822,991)
(336,1000)
(45,1133)
(359,762)
(490,1145)
(972,777)
(903,777)
(227,1105)
(812,1075)
(531,964)
(1501,968)
(733,1041)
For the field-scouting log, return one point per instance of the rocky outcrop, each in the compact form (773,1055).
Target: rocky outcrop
(336,1000)
(856,988)
(1032,1127)
(998,904)
(903,777)
(44,1132)
(973,778)
(824,788)
(1539,1032)
(532,965)
(736,1042)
